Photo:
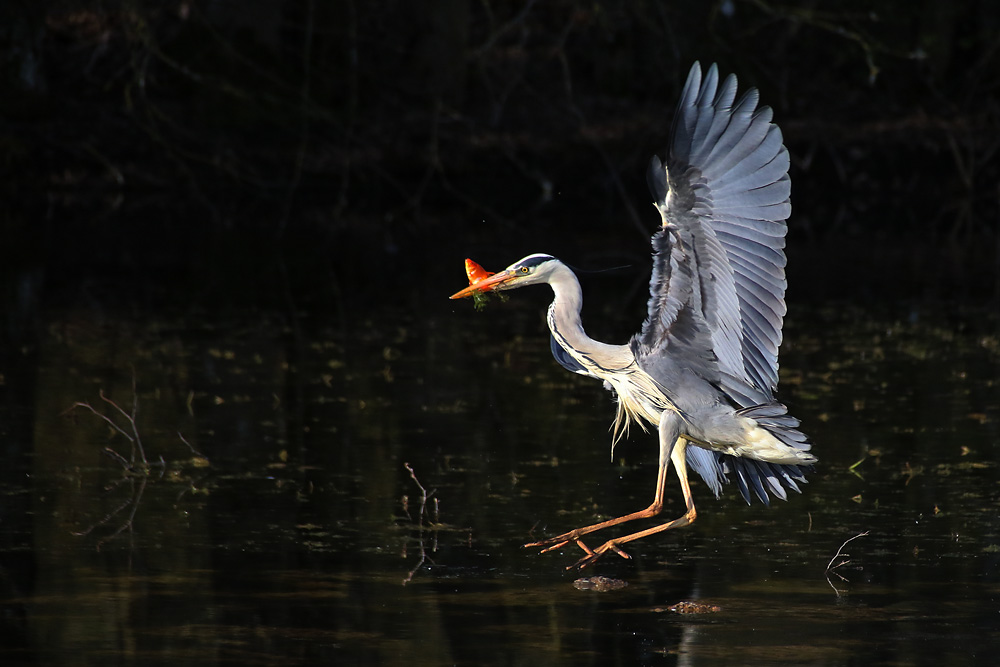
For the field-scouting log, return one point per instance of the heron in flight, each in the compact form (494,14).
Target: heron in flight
(704,367)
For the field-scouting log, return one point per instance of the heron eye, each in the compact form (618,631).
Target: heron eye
(525,269)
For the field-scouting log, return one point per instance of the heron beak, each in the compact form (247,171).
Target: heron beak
(492,284)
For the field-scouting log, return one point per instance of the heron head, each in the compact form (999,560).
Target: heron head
(531,270)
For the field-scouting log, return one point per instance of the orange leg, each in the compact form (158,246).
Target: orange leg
(690,514)
(672,447)
(574,535)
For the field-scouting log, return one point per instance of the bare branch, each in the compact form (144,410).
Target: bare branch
(832,569)
(190,446)
(840,553)
(111,423)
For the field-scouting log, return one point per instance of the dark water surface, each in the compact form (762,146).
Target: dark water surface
(277,522)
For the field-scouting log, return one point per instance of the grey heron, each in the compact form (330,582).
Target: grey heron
(704,368)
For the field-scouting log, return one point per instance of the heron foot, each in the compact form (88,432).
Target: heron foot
(558,542)
(591,556)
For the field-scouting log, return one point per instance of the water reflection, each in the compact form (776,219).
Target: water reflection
(285,521)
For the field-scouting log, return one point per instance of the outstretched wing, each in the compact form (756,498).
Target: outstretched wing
(718,277)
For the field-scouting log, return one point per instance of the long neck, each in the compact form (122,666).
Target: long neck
(564,322)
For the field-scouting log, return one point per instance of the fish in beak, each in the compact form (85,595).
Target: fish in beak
(481,281)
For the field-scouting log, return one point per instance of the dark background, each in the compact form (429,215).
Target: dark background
(247,216)
(232,151)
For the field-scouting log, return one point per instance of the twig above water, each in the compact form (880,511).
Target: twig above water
(136,469)
(832,569)
(424,495)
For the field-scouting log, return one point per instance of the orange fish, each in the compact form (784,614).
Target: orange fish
(475,272)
